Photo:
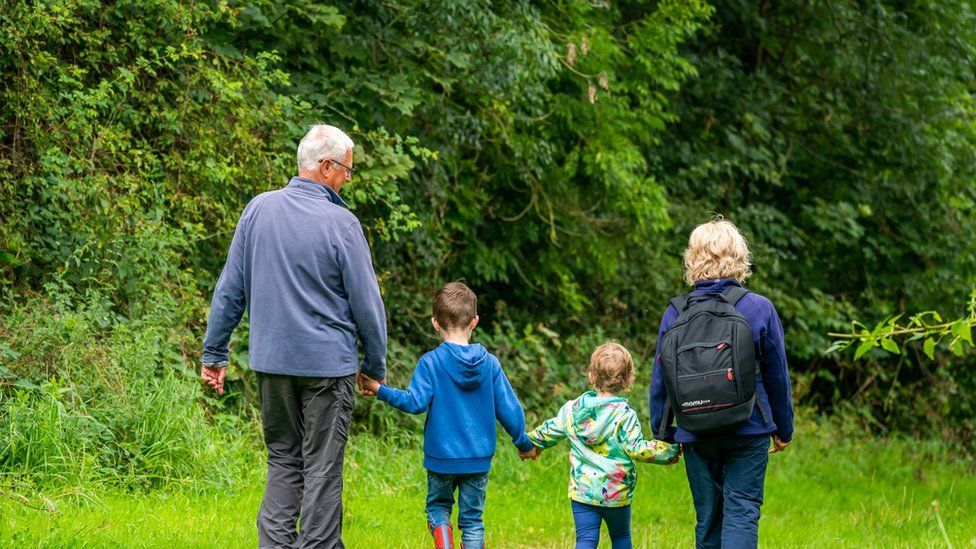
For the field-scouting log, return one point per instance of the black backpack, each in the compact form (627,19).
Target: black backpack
(708,363)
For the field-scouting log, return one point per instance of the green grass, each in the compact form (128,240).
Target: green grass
(825,491)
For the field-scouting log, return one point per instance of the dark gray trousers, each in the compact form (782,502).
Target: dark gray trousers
(306,421)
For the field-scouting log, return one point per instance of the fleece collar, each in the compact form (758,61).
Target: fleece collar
(314,188)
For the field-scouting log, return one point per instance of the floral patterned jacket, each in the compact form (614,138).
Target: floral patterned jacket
(605,440)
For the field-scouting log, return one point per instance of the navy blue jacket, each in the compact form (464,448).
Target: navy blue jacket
(463,390)
(300,264)
(773,391)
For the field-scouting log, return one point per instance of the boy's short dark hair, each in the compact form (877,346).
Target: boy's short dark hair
(455,305)
(612,368)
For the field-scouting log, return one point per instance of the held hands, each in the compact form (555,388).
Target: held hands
(368,385)
(214,377)
(532,454)
(677,457)
(778,445)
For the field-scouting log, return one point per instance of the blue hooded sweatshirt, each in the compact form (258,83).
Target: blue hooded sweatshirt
(463,390)
(772,387)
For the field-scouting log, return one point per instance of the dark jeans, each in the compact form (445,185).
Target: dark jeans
(306,420)
(726,475)
(471,489)
(588,518)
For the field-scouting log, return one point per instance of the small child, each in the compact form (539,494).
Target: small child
(463,390)
(605,440)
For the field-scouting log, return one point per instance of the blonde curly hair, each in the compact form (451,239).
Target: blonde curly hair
(717,250)
(611,368)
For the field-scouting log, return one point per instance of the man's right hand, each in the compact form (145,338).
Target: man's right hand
(368,385)
(214,377)
(532,454)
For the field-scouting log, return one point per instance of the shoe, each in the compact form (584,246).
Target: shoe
(443,536)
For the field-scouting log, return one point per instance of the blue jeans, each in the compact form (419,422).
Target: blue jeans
(588,518)
(726,475)
(471,490)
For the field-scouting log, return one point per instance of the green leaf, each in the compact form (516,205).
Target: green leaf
(838,346)
(889,345)
(864,347)
(961,329)
(956,347)
(879,327)
(929,348)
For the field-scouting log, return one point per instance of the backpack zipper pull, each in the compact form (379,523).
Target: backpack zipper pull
(720,346)
(728,374)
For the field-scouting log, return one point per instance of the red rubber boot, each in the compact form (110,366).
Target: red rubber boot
(443,536)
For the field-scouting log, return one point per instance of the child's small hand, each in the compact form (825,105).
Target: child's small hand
(677,457)
(368,385)
(532,454)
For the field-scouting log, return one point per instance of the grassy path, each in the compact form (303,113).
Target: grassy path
(823,492)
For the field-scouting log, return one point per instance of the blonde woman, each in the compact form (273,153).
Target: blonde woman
(725,467)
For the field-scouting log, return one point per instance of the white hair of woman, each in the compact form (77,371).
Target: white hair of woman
(322,142)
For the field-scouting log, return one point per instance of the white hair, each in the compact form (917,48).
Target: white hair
(322,142)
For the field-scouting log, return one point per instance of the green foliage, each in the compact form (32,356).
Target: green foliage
(542,119)
(927,326)
(554,155)
(839,136)
(83,403)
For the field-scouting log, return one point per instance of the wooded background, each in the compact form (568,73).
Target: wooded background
(555,155)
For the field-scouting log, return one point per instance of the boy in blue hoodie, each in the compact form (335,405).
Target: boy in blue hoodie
(463,389)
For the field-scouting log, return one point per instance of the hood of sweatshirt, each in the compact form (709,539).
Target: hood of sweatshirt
(593,417)
(466,365)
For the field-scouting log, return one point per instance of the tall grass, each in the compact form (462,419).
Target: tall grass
(81,404)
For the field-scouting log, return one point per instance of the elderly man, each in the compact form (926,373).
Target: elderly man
(300,264)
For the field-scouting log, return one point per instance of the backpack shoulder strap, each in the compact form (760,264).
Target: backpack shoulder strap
(662,430)
(680,303)
(734,293)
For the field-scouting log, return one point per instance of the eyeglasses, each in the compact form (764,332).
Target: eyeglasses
(349,170)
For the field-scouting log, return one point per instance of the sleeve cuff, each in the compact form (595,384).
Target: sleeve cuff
(524,444)
(785,437)
(214,363)
(384,393)
(375,373)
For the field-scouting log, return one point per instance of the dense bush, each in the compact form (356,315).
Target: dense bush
(840,137)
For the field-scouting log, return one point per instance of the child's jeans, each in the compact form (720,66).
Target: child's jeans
(471,490)
(588,518)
